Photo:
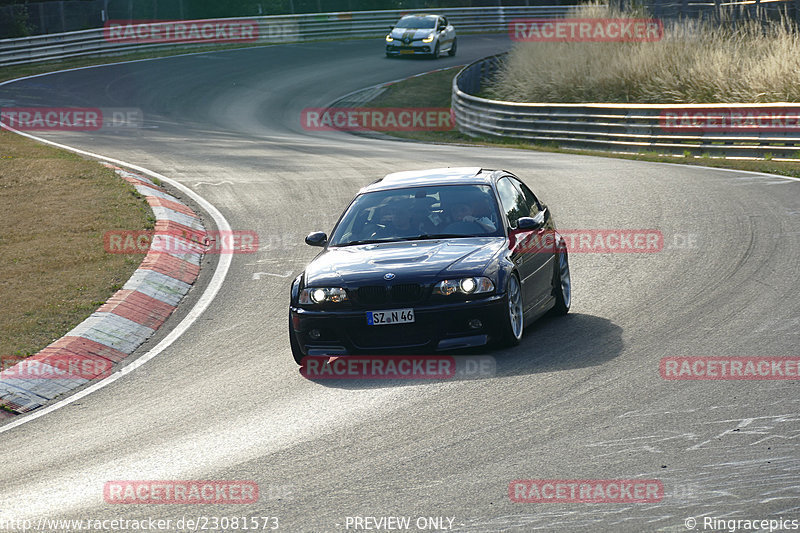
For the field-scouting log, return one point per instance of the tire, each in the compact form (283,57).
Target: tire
(514,322)
(435,54)
(562,283)
(297,353)
(452,51)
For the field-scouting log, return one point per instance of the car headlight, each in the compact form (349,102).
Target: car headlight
(389,39)
(321,295)
(428,39)
(477,285)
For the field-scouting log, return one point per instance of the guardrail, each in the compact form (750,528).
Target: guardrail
(271,29)
(769,131)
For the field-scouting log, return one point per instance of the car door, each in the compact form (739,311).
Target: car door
(447,33)
(515,207)
(540,248)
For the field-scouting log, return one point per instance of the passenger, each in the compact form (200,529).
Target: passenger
(462,212)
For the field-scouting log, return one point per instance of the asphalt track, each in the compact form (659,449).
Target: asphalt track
(580,398)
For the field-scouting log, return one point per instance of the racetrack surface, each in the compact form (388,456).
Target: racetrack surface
(580,398)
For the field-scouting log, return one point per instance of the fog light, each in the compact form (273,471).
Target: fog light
(315,334)
(475,324)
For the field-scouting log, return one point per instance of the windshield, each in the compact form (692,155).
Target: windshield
(419,213)
(417,23)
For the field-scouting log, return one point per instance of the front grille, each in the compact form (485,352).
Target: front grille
(372,295)
(400,294)
(406,293)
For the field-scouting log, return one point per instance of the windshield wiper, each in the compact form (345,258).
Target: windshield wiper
(414,238)
(365,241)
(435,236)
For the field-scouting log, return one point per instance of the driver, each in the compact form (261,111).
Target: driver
(397,221)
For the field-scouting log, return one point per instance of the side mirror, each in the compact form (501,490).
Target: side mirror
(532,223)
(318,238)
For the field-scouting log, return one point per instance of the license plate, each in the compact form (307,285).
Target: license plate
(406,51)
(394,316)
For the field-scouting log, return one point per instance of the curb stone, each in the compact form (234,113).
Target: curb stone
(127,319)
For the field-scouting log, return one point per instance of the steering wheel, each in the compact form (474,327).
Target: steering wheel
(465,228)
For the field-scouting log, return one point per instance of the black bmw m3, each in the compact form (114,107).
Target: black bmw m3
(432,260)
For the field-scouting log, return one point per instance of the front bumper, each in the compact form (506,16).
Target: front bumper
(415,48)
(436,328)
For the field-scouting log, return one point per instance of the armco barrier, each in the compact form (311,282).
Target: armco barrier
(773,133)
(272,29)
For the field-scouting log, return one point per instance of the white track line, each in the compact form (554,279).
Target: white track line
(202,304)
(752,172)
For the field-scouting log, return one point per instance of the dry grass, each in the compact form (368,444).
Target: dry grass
(693,63)
(54,272)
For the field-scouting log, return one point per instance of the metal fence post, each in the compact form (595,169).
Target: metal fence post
(41,19)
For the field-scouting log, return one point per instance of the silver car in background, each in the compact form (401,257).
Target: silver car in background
(421,34)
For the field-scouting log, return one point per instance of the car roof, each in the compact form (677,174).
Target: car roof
(420,15)
(432,176)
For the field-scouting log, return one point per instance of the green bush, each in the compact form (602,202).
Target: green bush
(20,22)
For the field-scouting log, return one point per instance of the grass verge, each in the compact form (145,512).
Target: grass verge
(54,271)
(433,90)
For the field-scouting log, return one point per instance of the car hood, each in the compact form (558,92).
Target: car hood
(412,34)
(410,262)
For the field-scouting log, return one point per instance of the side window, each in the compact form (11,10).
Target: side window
(443,22)
(513,201)
(530,199)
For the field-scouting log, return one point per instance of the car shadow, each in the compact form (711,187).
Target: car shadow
(549,345)
(414,57)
